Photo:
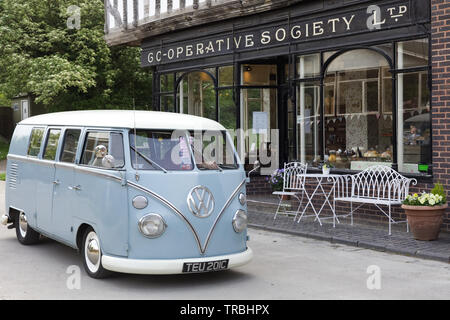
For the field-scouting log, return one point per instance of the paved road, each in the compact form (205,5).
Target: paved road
(284,267)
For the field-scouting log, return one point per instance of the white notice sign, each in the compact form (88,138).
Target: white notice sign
(260,122)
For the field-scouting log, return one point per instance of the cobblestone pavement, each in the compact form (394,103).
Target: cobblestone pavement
(361,234)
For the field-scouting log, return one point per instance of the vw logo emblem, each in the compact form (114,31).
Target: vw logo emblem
(200,202)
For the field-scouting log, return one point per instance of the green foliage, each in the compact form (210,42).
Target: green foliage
(4,102)
(439,190)
(4,147)
(434,198)
(67,69)
(2,176)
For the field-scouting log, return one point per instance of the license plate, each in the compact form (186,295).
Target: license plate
(210,266)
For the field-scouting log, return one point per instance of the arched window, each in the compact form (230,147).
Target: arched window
(358,122)
(356,108)
(196,94)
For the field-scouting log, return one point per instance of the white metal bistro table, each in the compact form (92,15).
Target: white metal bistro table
(321,180)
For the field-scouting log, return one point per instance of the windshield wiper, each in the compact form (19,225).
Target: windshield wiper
(152,163)
(228,166)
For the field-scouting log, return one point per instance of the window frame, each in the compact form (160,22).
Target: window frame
(64,142)
(58,146)
(85,139)
(391,57)
(131,132)
(30,138)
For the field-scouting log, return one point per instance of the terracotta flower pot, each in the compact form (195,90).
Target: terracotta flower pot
(425,221)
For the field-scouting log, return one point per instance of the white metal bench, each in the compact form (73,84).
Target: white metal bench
(293,185)
(378,185)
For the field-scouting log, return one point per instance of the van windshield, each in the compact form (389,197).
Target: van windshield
(160,150)
(171,150)
(213,150)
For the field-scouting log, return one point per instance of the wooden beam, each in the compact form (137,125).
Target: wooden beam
(125,14)
(189,17)
(157,7)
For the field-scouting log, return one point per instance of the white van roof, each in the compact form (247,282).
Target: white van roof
(124,119)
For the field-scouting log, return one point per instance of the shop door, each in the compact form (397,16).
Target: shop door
(259,112)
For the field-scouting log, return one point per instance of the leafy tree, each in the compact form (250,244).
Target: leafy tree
(4,102)
(67,68)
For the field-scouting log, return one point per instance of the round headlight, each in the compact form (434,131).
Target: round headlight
(242,199)
(152,225)
(140,202)
(240,221)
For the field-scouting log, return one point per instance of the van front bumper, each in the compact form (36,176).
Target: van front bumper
(169,266)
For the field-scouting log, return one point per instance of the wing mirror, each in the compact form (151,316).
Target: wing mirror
(257,168)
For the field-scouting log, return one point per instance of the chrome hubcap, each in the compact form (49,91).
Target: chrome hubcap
(23,224)
(92,252)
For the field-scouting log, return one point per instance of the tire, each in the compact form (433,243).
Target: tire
(92,255)
(24,233)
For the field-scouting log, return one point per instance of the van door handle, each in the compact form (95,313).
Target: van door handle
(76,188)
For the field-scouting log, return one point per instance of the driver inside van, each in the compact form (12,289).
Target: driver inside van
(100,152)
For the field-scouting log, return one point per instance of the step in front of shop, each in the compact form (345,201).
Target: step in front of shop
(364,233)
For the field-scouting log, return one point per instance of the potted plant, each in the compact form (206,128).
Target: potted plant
(276,181)
(326,168)
(425,212)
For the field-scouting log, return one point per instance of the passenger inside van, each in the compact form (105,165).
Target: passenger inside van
(100,153)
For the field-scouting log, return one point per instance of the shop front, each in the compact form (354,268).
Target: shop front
(348,84)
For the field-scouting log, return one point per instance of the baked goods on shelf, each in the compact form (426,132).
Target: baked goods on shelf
(371,154)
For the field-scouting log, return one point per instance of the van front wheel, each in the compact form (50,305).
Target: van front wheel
(24,233)
(92,255)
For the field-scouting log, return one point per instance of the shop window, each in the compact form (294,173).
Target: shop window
(167,82)
(167,103)
(259,75)
(412,54)
(357,133)
(226,76)
(308,66)
(358,104)
(197,95)
(227,109)
(308,122)
(414,126)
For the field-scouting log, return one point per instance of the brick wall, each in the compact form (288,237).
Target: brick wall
(440,46)
(259,186)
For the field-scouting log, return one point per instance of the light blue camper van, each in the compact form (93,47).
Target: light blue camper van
(135,192)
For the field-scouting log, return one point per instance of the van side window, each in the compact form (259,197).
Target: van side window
(52,144)
(69,152)
(103,150)
(35,142)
